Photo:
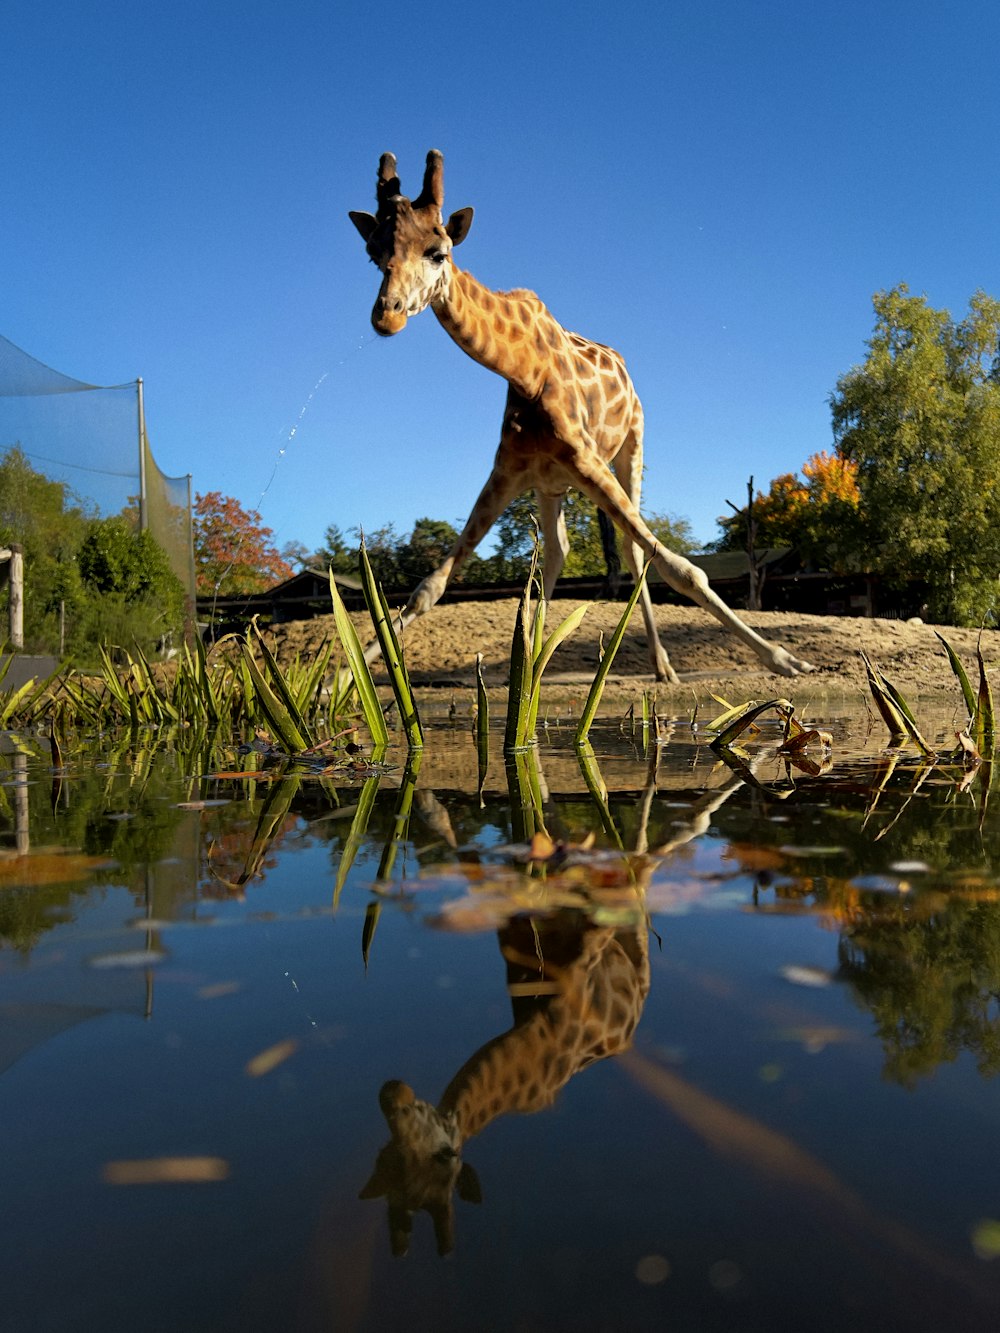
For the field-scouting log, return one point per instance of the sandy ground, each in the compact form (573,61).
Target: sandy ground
(441,648)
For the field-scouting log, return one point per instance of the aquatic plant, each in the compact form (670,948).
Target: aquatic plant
(597,685)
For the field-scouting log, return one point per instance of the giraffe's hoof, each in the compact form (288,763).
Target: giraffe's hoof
(784,664)
(668,677)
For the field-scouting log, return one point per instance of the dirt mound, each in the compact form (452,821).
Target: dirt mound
(441,649)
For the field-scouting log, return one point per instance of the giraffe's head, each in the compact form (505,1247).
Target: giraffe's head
(420,1168)
(410,242)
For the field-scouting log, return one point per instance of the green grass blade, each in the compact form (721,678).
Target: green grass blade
(985,713)
(279,720)
(19,705)
(206,694)
(401,822)
(273,813)
(278,684)
(544,655)
(356,836)
(525,815)
(353,651)
(967,691)
(909,721)
(597,787)
(385,632)
(372,913)
(482,723)
(519,691)
(112,680)
(600,679)
(891,715)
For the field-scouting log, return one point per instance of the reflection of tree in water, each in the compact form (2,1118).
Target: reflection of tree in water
(932,984)
(926,961)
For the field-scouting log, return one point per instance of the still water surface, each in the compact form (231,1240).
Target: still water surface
(743,1078)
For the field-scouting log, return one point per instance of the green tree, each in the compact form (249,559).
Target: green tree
(383,546)
(45,518)
(129,594)
(426,548)
(336,553)
(673,531)
(515,535)
(816,513)
(920,419)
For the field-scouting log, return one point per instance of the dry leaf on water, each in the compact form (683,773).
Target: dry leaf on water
(166,1171)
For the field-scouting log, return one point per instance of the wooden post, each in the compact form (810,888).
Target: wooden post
(755,574)
(22,836)
(16,602)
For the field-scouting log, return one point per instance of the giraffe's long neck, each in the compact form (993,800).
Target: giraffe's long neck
(508,1075)
(594,1016)
(510,333)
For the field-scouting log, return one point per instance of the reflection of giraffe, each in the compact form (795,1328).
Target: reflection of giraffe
(577,992)
(572,412)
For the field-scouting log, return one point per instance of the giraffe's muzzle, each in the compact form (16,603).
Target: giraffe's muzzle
(387,322)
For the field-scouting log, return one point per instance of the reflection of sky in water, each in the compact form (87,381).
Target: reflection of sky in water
(785,1197)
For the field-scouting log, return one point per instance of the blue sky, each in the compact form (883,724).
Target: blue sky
(715,188)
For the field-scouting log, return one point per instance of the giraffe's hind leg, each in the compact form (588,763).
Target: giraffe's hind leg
(555,541)
(627,467)
(593,478)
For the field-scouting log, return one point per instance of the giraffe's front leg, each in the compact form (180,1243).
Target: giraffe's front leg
(500,489)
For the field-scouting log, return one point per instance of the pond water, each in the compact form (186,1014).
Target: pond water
(741,1077)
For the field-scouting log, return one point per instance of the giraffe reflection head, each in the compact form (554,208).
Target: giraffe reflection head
(420,1168)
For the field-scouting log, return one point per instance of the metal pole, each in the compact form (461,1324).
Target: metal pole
(191,600)
(143,508)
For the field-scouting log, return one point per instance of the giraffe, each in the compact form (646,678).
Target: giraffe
(578,990)
(572,417)
(577,993)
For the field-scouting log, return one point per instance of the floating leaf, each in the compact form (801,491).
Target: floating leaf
(49,867)
(806,976)
(166,1171)
(747,715)
(271,1058)
(804,738)
(133,958)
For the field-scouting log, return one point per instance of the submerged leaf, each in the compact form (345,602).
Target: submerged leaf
(49,867)
(166,1171)
(269,1059)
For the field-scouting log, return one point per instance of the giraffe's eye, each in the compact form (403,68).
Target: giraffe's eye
(436,256)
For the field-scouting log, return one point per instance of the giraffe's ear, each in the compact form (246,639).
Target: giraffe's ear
(468,1186)
(365,223)
(458,225)
(375,1187)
